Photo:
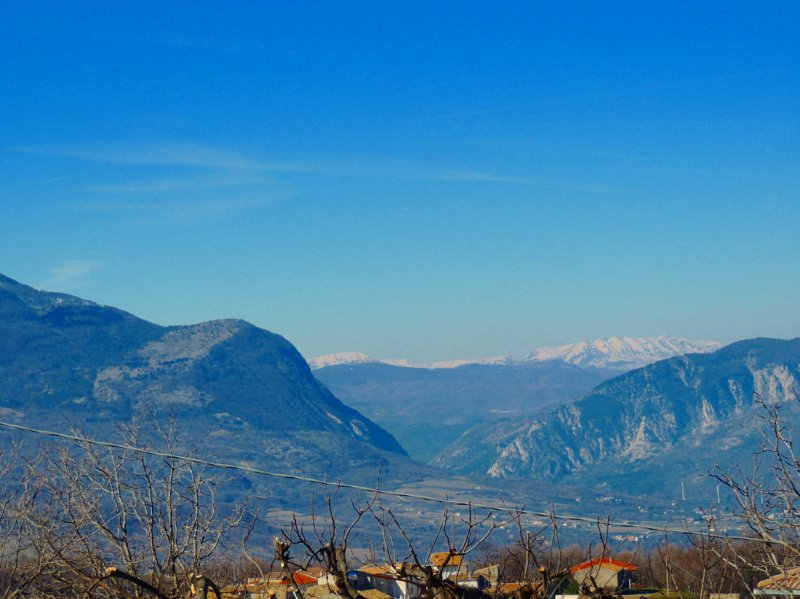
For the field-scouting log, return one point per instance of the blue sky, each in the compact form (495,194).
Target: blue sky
(419,180)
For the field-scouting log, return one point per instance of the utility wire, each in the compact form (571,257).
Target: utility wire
(372,490)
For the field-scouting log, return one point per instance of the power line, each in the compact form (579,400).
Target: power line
(371,490)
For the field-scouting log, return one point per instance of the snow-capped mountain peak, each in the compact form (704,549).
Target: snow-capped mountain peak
(623,353)
(335,359)
(619,353)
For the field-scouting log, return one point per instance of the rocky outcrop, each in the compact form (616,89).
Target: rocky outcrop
(693,407)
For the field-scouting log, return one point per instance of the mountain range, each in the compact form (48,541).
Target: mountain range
(245,395)
(622,353)
(666,422)
(428,406)
(616,353)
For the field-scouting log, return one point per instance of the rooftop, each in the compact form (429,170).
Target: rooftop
(603,562)
(785,581)
(445,557)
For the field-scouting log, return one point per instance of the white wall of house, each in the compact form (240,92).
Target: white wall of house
(400,589)
(605,578)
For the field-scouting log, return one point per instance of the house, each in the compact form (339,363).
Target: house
(448,564)
(471,581)
(603,574)
(783,584)
(384,578)
(401,580)
(274,585)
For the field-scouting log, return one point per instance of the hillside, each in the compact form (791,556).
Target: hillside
(244,395)
(657,425)
(237,391)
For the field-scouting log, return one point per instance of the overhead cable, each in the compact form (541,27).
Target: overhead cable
(373,490)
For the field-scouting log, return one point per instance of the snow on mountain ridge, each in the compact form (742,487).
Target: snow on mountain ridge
(622,352)
(340,358)
(349,357)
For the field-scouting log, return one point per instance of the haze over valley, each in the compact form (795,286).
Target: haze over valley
(252,399)
(399,300)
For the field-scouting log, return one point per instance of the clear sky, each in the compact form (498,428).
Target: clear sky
(409,179)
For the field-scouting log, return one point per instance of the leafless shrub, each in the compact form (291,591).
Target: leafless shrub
(153,518)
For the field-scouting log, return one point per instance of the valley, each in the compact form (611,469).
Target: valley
(532,432)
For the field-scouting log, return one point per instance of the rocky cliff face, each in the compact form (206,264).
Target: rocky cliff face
(243,391)
(691,410)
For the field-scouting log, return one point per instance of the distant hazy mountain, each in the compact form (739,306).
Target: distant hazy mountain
(618,353)
(428,408)
(241,390)
(342,358)
(622,353)
(658,425)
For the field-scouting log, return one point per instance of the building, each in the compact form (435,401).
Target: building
(274,585)
(784,584)
(449,564)
(384,579)
(603,574)
(398,582)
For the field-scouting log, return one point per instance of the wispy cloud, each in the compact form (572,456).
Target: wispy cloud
(168,185)
(155,154)
(188,176)
(46,181)
(69,274)
(576,186)
(177,211)
(252,182)
(241,169)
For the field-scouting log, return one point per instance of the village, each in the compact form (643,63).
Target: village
(449,575)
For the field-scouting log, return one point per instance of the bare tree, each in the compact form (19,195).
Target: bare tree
(325,542)
(460,534)
(536,561)
(23,554)
(768,494)
(155,517)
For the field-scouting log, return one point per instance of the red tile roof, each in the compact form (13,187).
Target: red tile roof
(603,562)
(299,578)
